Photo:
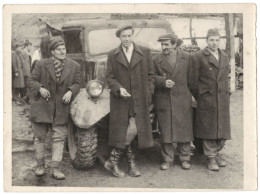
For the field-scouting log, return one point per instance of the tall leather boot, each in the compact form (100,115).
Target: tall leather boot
(39,153)
(112,163)
(133,170)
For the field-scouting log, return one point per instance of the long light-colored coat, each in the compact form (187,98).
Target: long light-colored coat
(209,86)
(54,110)
(138,79)
(173,106)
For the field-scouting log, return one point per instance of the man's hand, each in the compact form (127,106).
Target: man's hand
(67,97)
(16,74)
(44,93)
(169,83)
(124,93)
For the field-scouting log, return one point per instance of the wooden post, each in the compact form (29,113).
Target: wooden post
(230,48)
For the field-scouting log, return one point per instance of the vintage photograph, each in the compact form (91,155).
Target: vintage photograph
(127,100)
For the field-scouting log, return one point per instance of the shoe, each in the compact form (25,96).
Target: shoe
(165,165)
(133,170)
(57,174)
(185,165)
(221,162)
(212,164)
(40,171)
(112,163)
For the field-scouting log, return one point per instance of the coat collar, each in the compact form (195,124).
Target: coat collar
(211,58)
(136,56)
(179,62)
(65,72)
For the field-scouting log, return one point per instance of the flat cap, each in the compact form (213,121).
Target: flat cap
(213,32)
(55,43)
(123,27)
(169,36)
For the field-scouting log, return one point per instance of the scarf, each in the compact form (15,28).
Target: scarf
(58,66)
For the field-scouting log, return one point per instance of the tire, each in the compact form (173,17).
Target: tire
(82,144)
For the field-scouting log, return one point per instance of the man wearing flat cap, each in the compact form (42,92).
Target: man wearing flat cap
(130,77)
(173,101)
(209,86)
(53,84)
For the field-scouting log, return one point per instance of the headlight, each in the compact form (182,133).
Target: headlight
(94,88)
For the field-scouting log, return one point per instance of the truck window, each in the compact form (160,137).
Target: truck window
(73,40)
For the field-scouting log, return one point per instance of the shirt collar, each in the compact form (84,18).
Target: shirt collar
(130,49)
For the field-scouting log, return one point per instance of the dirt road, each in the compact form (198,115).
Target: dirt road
(198,177)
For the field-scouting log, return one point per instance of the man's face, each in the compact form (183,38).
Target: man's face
(167,46)
(126,37)
(59,52)
(213,42)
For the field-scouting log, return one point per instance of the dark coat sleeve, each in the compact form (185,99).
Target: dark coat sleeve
(160,81)
(151,76)
(75,87)
(113,84)
(14,63)
(34,80)
(193,75)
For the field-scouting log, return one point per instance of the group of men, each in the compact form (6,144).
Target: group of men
(21,68)
(172,79)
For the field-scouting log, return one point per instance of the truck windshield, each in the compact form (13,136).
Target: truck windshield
(73,40)
(102,41)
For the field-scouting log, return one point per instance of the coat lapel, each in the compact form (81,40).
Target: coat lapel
(120,57)
(137,56)
(65,72)
(179,63)
(51,70)
(164,64)
(212,60)
(222,63)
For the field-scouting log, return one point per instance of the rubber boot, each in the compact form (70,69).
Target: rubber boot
(133,170)
(55,171)
(112,163)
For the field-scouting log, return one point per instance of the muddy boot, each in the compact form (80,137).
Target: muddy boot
(112,163)
(55,171)
(133,170)
(40,170)
(221,162)
(212,164)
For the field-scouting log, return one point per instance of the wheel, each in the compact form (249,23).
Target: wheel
(82,144)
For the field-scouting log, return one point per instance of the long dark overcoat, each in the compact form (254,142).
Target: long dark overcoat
(138,79)
(53,111)
(209,86)
(173,106)
(17,66)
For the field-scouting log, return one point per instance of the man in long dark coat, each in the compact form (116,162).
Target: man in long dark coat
(209,86)
(173,101)
(53,84)
(130,77)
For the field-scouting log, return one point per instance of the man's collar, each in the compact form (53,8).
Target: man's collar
(130,48)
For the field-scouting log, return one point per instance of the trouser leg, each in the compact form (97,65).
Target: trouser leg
(40,130)
(131,131)
(184,151)
(220,143)
(58,138)
(167,152)
(210,147)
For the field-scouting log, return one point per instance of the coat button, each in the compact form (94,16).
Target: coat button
(210,68)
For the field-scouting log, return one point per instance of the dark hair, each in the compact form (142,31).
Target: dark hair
(127,28)
(173,41)
(27,44)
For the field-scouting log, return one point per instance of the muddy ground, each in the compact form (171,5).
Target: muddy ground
(198,177)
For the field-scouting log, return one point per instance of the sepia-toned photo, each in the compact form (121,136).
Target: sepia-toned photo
(147,98)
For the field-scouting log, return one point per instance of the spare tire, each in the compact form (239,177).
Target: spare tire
(82,144)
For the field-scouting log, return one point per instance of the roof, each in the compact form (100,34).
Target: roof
(107,23)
